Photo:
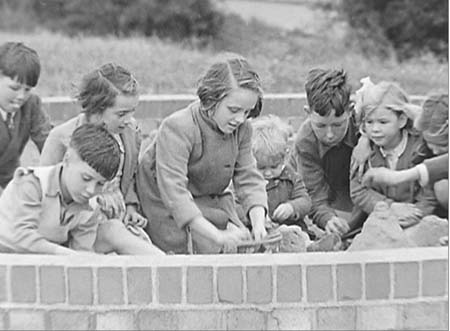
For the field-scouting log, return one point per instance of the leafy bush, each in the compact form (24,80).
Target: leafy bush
(172,19)
(411,26)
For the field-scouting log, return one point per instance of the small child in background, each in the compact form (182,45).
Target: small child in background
(21,114)
(288,199)
(387,118)
(46,210)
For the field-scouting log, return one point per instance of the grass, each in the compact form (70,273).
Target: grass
(282,59)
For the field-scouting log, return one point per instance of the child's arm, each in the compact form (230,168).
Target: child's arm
(23,197)
(437,168)
(317,186)
(299,199)
(363,197)
(53,150)
(40,122)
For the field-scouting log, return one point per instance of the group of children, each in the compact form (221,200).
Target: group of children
(217,174)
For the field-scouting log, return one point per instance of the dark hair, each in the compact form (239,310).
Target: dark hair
(21,62)
(99,88)
(327,90)
(229,71)
(98,148)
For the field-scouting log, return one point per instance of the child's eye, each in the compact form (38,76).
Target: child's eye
(321,126)
(86,178)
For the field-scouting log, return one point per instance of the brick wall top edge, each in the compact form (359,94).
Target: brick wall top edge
(172,97)
(394,255)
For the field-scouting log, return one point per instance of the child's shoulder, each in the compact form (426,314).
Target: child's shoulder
(26,180)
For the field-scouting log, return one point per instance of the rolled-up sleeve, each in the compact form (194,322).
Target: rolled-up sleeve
(247,180)
(174,144)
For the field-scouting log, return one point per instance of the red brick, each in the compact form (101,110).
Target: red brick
(69,320)
(139,282)
(80,286)
(23,283)
(434,277)
(201,320)
(3,296)
(422,316)
(349,282)
(169,289)
(336,318)
(26,319)
(115,320)
(157,320)
(52,284)
(245,319)
(406,280)
(259,284)
(110,286)
(289,283)
(319,283)
(229,284)
(377,281)
(199,285)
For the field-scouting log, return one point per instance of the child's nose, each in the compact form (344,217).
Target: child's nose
(330,133)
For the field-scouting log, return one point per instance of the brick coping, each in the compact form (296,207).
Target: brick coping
(175,97)
(329,258)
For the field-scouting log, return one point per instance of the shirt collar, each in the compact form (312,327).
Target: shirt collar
(397,150)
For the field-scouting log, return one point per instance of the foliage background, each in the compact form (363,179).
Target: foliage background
(167,43)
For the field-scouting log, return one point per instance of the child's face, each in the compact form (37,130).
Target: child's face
(233,110)
(269,167)
(118,116)
(383,126)
(331,129)
(79,180)
(13,94)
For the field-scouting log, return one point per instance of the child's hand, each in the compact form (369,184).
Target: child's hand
(259,231)
(133,217)
(112,204)
(232,236)
(408,214)
(337,225)
(283,212)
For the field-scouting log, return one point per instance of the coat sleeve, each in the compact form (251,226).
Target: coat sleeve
(437,168)
(174,144)
(299,199)
(248,182)
(309,165)
(83,236)
(40,123)
(131,197)
(53,150)
(25,197)
(426,199)
(363,197)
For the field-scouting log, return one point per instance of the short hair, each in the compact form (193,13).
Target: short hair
(96,146)
(228,71)
(327,90)
(433,121)
(99,88)
(270,138)
(21,62)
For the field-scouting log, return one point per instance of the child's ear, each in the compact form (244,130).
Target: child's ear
(403,119)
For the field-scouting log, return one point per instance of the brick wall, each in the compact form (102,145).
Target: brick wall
(388,289)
